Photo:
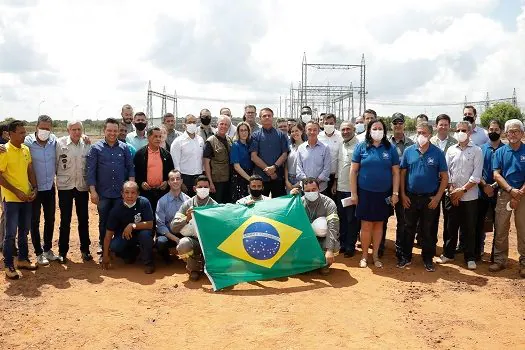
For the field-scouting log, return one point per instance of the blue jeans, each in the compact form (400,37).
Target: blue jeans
(349,224)
(104,208)
(128,248)
(164,244)
(18,217)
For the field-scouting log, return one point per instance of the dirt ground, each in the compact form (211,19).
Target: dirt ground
(78,305)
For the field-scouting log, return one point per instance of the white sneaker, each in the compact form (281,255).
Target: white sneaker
(50,256)
(443,259)
(471,265)
(362,263)
(42,260)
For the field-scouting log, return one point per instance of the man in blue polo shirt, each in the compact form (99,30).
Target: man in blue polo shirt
(129,228)
(509,172)
(423,181)
(269,150)
(109,164)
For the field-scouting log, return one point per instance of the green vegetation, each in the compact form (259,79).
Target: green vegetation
(501,112)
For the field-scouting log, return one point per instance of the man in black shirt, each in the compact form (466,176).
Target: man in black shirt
(129,227)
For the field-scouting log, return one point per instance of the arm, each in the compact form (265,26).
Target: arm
(91,165)
(258,161)
(19,194)
(180,219)
(395,184)
(140,170)
(241,171)
(402,188)
(107,241)
(299,170)
(354,170)
(129,164)
(176,152)
(332,220)
(282,158)
(207,171)
(327,165)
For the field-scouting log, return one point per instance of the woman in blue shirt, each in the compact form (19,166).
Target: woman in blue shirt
(374,181)
(297,136)
(241,160)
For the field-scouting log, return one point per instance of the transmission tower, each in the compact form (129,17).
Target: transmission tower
(164,98)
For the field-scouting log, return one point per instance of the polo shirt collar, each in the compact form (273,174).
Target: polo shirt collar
(403,140)
(318,143)
(33,138)
(115,145)
(69,141)
(268,130)
(469,144)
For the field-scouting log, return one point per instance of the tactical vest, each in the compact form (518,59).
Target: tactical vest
(220,162)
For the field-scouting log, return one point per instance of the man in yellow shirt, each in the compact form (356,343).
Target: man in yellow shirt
(18,184)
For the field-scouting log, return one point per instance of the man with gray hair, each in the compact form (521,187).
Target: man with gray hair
(216,157)
(71,153)
(509,173)
(465,166)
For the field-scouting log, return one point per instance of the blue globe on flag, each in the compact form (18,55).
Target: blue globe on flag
(261,240)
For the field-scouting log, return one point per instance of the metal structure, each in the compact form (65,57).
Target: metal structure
(165,98)
(337,99)
(483,105)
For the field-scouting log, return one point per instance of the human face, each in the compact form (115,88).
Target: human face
(368,118)
(111,132)
(443,127)
(243,133)
(175,181)
(201,184)
(266,119)
(311,187)
(296,134)
(130,194)
(44,126)
(249,114)
(122,132)
(306,111)
(75,132)
(169,123)
(424,131)
(469,112)
(514,135)
(226,111)
(494,128)
(291,124)
(312,130)
(205,114)
(329,121)
(256,185)
(139,118)
(155,139)
(17,137)
(223,127)
(347,131)
(398,127)
(283,126)
(127,115)
(377,126)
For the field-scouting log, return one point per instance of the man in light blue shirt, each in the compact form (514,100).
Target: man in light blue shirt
(42,145)
(167,206)
(138,137)
(313,158)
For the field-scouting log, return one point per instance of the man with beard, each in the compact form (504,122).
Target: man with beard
(138,137)
(249,117)
(205,130)
(256,188)
(479,135)
(127,117)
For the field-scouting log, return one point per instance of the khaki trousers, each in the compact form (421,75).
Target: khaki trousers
(501,244)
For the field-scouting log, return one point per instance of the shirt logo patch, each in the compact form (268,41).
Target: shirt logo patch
(522,158)
(386,155)
(431,161)
(137,218)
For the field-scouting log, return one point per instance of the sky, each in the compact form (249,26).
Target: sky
(85,59)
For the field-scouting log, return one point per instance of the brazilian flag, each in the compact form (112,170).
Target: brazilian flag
(270,239)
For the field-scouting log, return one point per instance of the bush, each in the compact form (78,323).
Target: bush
(501,112)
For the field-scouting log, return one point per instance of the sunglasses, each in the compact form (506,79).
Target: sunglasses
(398,122)
(462,130)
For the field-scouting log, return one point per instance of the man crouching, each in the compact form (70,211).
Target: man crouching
(129,229)
(188,247)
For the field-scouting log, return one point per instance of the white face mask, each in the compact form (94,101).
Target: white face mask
(306,118)
(422,140)
(377,135)
(43,135)
(130,205)
(202,192)
(359,128)
(328,129)
(191,128)
(311,196)
(461,136)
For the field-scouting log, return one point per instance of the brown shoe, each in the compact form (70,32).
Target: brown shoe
(522,272)
(496,267)
(12,273)
(149,269)
(26,265)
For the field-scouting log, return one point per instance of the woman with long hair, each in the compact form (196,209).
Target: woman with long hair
(374,181)
(297,137)
(241,160)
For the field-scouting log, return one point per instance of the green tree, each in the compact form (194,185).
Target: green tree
(501,112)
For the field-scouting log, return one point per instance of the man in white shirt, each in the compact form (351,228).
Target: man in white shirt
(368,116)
(332,139)
(71,153)
(186,152)
(465,166)
(479,135)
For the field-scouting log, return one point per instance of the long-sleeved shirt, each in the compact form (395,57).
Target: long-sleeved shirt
(333,143)
(167,206)
(187,154)
(44,160)
(179,221)
(465,165)
(325,207)
(314,162)
(344,161)
(108,167)
(71,164)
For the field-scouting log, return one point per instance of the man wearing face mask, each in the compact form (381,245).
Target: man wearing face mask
(368,116)
(250,112)
(205,130)
(465,167)
(319,206)
(360,125)
(186,152)
(423,181)
(479,135)
(138,138)
(313,158)
(332,139)
(188,247)
(255,188)
(127,118)
(306,114)
(42,145)
(488,188)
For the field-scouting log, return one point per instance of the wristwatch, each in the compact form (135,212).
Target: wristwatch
(134,226)
(465,190)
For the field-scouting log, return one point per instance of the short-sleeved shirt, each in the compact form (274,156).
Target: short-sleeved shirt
(269,144)
(511,164)
(121,216)
(136,141)
(488,157)
(167,206)
(13,166)
(423,169)
(375,170)
(333,142)
(240,154)
(44,160)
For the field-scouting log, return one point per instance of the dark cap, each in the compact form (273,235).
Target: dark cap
(398,117)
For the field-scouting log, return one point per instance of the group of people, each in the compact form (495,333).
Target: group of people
(145,183)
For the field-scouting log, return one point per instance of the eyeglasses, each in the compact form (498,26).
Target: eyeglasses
(399,122)
(513,132)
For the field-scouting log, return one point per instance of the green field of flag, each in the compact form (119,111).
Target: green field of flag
(269,239)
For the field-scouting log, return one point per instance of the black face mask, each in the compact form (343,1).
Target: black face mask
(205,121)
(494,136)
(469,119)
(140,126)
(255,193)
